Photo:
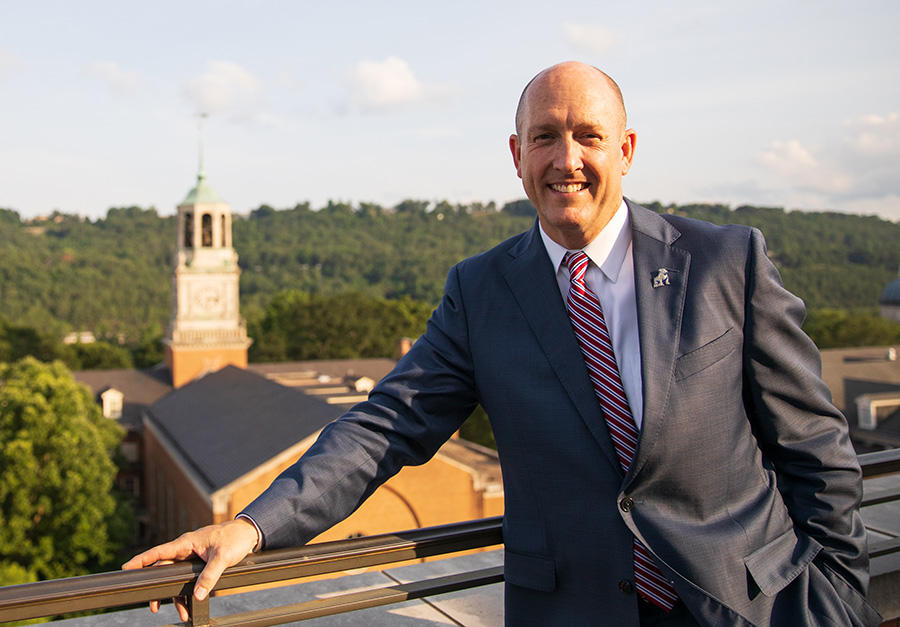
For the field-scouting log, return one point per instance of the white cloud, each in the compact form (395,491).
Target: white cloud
(8,62)
(589,38)
(860,163)
(391,83)
(876,136)
(796,163)
(224,88)
(119,80)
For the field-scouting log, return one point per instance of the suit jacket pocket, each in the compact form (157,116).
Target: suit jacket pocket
(707,355)
(536,572)
(860,612)
(777,563)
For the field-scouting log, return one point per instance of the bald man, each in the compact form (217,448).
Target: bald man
(670,454)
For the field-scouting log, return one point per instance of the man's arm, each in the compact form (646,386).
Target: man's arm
(800,431)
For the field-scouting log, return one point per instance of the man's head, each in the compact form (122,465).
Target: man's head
(571,150)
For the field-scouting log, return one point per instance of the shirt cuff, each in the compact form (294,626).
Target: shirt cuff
(260,541)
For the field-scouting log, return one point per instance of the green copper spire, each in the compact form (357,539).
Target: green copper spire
(202,193)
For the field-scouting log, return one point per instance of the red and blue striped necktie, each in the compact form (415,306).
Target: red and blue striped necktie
(593,337)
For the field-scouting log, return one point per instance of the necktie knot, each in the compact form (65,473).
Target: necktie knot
(577,262)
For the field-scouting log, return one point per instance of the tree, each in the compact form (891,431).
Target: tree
(97,356)
(148,351)
(834,328)
(18,341)
(299,325)
(520,208)
(58,513)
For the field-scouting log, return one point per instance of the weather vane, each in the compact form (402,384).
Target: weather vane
(200,117)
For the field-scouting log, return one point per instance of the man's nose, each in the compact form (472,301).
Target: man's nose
(568,155)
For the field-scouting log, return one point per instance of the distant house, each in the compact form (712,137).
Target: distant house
(79,337)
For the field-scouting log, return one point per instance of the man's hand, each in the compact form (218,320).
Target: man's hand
(220,546)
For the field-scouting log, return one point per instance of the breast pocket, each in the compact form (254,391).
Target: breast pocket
(707,355)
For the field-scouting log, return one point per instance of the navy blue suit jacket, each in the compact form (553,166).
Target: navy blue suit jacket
(745,485)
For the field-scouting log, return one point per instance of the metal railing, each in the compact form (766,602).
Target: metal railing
(884,555)
(125,588)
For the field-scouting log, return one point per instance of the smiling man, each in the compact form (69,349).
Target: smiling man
(670,454)
(571,150)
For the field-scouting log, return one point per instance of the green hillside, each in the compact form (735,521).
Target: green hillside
(112,275)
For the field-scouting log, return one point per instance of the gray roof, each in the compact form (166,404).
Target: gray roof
(141,389)
(229,422)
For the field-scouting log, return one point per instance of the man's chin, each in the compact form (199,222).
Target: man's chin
(569,216)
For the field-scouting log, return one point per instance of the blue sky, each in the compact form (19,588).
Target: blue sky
(793,103)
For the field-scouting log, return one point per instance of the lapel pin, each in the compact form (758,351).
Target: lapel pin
(661,278)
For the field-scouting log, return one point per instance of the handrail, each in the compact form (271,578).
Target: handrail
(123,588)
(106,590)
(359,600)
(880,463)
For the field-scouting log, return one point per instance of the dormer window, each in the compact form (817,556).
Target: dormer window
(112,401)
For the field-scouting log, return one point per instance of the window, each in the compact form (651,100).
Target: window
(206,233)
(112,401)
(130,451)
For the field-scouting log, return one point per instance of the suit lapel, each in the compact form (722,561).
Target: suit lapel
(531,279)
(660,312)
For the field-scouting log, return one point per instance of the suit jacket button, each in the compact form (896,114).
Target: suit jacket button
(627,504)
(626,587)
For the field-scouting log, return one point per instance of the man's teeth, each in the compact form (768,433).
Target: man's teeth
(568,189)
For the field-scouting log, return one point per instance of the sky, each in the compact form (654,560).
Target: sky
(788,103)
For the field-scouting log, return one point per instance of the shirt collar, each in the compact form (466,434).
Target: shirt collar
(607,250)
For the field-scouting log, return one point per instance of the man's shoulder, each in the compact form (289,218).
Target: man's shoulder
(691,230)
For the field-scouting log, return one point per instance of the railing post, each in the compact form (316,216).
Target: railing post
(198,611)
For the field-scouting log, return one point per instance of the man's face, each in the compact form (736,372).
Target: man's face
(572,151)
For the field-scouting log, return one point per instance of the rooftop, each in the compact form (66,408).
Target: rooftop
(233,409)
(202,194)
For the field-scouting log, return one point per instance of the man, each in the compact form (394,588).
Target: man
(698,474)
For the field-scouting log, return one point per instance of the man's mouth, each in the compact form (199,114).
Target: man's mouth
(568,188)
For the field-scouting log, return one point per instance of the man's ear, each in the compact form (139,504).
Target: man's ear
(629,141)
(516,149)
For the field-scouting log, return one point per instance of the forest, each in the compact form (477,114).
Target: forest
(112,276)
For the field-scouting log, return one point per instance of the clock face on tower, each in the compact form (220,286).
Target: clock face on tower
(208,299)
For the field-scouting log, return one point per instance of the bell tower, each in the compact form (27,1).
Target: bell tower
(206,331)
